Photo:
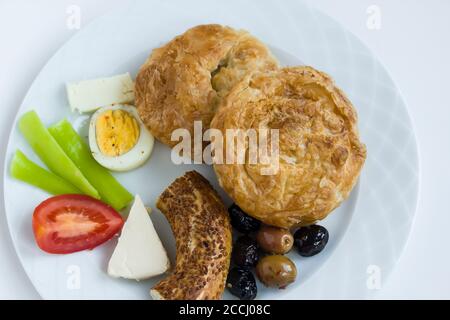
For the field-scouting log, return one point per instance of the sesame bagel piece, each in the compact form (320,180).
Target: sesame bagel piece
(202,232)
(320,154)
(185,80)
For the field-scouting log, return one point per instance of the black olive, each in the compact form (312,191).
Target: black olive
(241,221)
(245,252)
(310,240)
(241,283)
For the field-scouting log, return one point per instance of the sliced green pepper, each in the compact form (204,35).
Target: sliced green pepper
(110,190)
(51,153)
(26,170)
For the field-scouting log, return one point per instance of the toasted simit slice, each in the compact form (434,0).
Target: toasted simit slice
(202,231)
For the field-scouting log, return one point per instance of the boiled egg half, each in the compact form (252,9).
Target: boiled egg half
(118,139)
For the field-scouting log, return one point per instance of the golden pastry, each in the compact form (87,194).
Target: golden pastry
(185,80)
(202,232)
(320,154)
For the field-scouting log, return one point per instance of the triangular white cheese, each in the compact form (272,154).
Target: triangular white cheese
(139,254)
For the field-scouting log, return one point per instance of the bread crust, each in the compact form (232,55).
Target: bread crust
(202,230)
(185,80)
(321,155)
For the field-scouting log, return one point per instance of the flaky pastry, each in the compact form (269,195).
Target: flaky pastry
(185,80)
(320,154)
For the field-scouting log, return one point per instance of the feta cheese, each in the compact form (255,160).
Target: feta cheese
(139,253)
(90,95)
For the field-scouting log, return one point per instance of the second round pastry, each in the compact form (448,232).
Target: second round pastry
(319,157)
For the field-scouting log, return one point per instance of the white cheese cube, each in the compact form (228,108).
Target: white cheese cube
(90,95)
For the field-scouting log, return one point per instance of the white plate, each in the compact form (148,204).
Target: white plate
(368,232)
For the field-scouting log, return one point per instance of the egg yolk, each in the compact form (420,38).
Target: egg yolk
(116,132)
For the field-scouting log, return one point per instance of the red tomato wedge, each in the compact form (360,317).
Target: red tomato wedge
(73,222)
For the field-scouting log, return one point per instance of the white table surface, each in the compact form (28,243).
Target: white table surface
(414,45)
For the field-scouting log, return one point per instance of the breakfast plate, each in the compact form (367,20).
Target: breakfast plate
(367,232)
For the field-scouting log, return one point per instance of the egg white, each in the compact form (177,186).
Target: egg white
(134,157)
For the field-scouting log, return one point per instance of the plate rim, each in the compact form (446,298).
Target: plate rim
(398,90)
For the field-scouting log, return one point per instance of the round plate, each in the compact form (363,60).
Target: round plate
(367,233)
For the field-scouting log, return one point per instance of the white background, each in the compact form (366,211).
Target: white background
(413,43)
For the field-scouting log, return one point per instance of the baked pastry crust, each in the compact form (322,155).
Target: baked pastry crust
(185,80)
(202,230)
(321,155)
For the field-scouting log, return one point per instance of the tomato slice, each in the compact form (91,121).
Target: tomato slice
(73,222)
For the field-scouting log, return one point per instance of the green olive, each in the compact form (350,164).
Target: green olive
(276,271)
(274,240)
